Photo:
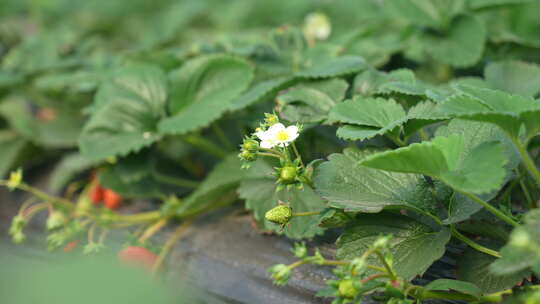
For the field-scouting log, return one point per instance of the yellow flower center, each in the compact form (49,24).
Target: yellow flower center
(282,135)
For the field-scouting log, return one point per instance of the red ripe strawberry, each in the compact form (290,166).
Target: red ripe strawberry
(137,256)
(96,194)
(70,246)
(112,199)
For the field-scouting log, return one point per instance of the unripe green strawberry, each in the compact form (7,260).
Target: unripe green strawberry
(56,220)
(250,145)
(287,174)
(279,215)
(347,290)
(247,155)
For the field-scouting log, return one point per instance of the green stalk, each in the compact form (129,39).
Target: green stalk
(527,194)
(473,244)
(222,137)
(58,201)
(491,209)
(306,213)
(389,270)
(298,155)
(177,181)
(527,160)
(139,217)
(205,145)
(268,154)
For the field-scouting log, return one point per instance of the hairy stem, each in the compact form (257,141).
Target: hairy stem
(58,201)
(177,181)
(139,217)
(473,244)
(175,237)
(387,267)
(153,229)
(491,209)
(298,155)
(306,213)
(527,160)
(199,142)
(222,137)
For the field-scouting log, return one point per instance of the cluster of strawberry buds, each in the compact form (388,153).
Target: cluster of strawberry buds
(69,222)
(374,274)
(354,278)
(273,139)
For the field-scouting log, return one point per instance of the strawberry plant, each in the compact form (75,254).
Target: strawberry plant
(405,127)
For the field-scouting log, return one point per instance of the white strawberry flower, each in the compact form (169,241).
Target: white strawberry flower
(277,135)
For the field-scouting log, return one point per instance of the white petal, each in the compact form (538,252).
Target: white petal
(275,128)
(266,144)
(292,131)
(262,135)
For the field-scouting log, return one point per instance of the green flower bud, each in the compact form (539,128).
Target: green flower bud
(246,155)
(17,224)
(520,238)
(300,250)
(279,215)
(381,242)
(170,206)
(270,119)
(18,237)
(280,273)
(92,248)
(317,258)
(84,206)
(250,145)
(56,220)
(15,179)
(347,290)
(287,175)
(56,240)
(317,26)
(358,265)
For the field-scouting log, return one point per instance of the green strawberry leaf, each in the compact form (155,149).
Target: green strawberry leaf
(202,91)
(372,82)
(474,133)
(473,266)
(420,12)
(461,46)
(515,77)
(134,177)
(521,253)
(261,91)
(487,4)
(367,117)
(336,67)
(311,102)
(441,158)
(507,111)
(126,111)
(67,169)
(454,286)
(60,132)
(12,146)
(217,189)
(346,185)
(414,246)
